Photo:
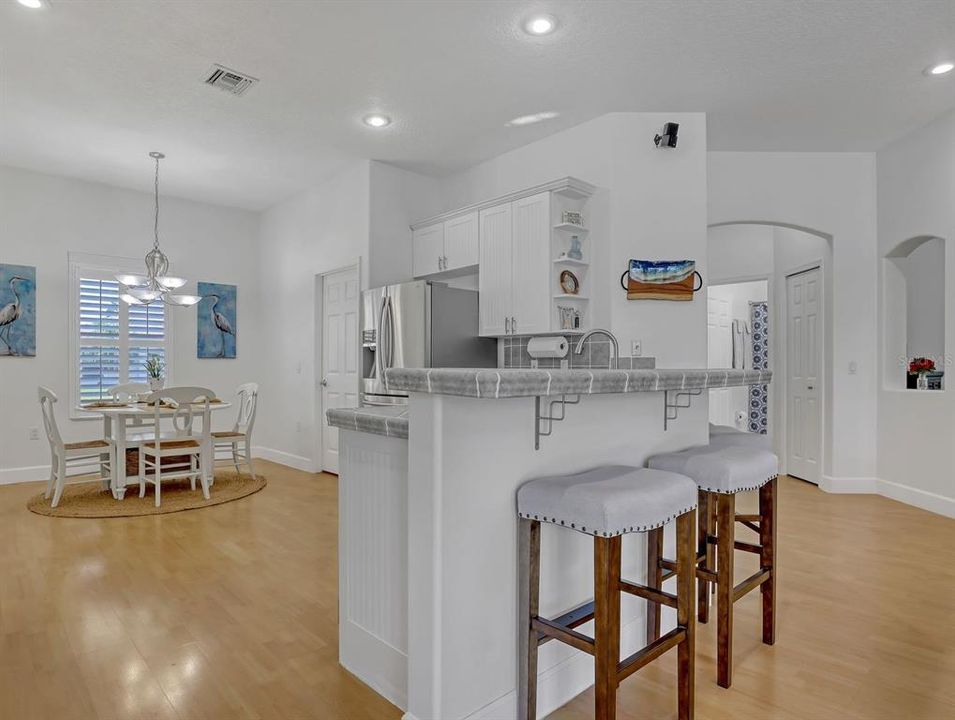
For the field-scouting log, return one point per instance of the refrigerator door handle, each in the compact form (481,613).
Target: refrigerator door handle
(380,341)
(391,333)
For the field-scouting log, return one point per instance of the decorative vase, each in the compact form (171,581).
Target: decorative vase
(922,382)
(156,384)
(575,252)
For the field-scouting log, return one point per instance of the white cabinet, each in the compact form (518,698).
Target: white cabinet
(448,245)
(494,281)
(461,242)
(428,250)
(514,263)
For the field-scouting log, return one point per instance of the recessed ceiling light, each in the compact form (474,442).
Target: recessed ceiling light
(940,69)
(377,121)
(540,25)
(32,4)
(535,118)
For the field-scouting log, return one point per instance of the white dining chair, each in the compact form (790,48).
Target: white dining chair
(190,404)
(241,433)
(88,454)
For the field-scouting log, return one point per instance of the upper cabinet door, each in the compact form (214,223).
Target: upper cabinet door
(461,241)
(428,244)
(531,262)
(494,280)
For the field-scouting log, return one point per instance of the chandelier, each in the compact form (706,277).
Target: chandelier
(155,286)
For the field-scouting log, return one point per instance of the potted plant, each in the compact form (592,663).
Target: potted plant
(921,367)
(155,369)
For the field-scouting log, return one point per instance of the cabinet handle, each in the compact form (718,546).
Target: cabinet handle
(507,325)
(439,263)
(513,324)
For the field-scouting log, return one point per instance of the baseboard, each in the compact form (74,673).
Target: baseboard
(283,458)
(853,485)
(923,499)
(9,476)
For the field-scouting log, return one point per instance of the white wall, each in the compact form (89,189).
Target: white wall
(44,217)
(651,204)
(835,194)
(324,228)
(397,199)
(916,187)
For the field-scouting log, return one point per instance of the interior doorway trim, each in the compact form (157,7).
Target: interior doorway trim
(318,442)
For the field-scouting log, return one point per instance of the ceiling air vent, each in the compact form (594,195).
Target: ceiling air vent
(229,80)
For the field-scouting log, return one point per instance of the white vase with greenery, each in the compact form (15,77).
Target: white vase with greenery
(155,370)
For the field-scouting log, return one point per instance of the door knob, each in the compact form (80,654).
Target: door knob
(324,382)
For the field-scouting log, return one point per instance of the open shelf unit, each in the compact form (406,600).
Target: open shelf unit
(562,237)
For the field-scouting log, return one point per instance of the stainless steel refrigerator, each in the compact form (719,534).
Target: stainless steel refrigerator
(418,324)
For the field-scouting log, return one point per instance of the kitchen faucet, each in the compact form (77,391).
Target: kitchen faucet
(614,359)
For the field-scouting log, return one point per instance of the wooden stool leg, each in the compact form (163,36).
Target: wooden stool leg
(606,625)
(725,538)
(708,551)
(767,558)
(686,571)
(528,588)
(654,580)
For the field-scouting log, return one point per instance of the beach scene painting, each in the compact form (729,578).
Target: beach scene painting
(662,280)
(17,310)
(216,324)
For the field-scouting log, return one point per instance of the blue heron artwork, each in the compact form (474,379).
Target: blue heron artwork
(17,310)
(216,324)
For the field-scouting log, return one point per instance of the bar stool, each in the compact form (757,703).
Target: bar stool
(721,472)
(606,502)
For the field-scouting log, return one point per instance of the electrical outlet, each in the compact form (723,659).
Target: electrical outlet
(636,348)
(34,433)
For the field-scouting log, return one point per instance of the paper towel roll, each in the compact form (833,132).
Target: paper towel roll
(547,347)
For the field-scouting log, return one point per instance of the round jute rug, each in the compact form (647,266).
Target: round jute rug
(89,500)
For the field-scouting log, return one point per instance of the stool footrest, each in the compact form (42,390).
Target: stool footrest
(751,583)
(738,545)
(648,593)
(564,634)
(651,652)
(570,619)
(743,517)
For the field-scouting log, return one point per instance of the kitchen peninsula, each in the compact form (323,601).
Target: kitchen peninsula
(428,531)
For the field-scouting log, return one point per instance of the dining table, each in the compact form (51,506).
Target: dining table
(119,418)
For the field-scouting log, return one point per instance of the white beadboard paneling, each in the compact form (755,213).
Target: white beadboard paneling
(373,561)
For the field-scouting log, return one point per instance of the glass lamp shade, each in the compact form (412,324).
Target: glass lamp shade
(145,294)
(130,300)
(170,282)
(182,299)
(133,280)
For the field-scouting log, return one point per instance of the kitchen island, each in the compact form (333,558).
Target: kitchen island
(473,437)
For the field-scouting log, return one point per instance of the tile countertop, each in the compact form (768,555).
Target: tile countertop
(389,421)
(509,383)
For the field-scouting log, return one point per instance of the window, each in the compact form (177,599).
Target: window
(110,340)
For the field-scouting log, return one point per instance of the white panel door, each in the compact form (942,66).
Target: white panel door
(719,344)
(494,278)
(531,293)
(803,369)
(339,379)
(428,249)
(461,241)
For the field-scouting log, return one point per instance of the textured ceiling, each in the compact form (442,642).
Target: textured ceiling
(88,88)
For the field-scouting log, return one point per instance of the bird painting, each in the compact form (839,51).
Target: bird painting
(17,310)
(216,322)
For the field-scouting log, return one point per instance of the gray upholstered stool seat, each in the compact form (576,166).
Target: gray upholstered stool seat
(608,501)
(721,469)
(724,435)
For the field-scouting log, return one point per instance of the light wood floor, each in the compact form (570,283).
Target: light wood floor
(230,613)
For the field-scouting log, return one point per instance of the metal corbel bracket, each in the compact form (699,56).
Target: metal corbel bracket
(548,420)
(682,399)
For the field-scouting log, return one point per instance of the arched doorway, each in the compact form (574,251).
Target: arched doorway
(794,263)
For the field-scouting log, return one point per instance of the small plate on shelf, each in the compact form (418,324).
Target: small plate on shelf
(569,283)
